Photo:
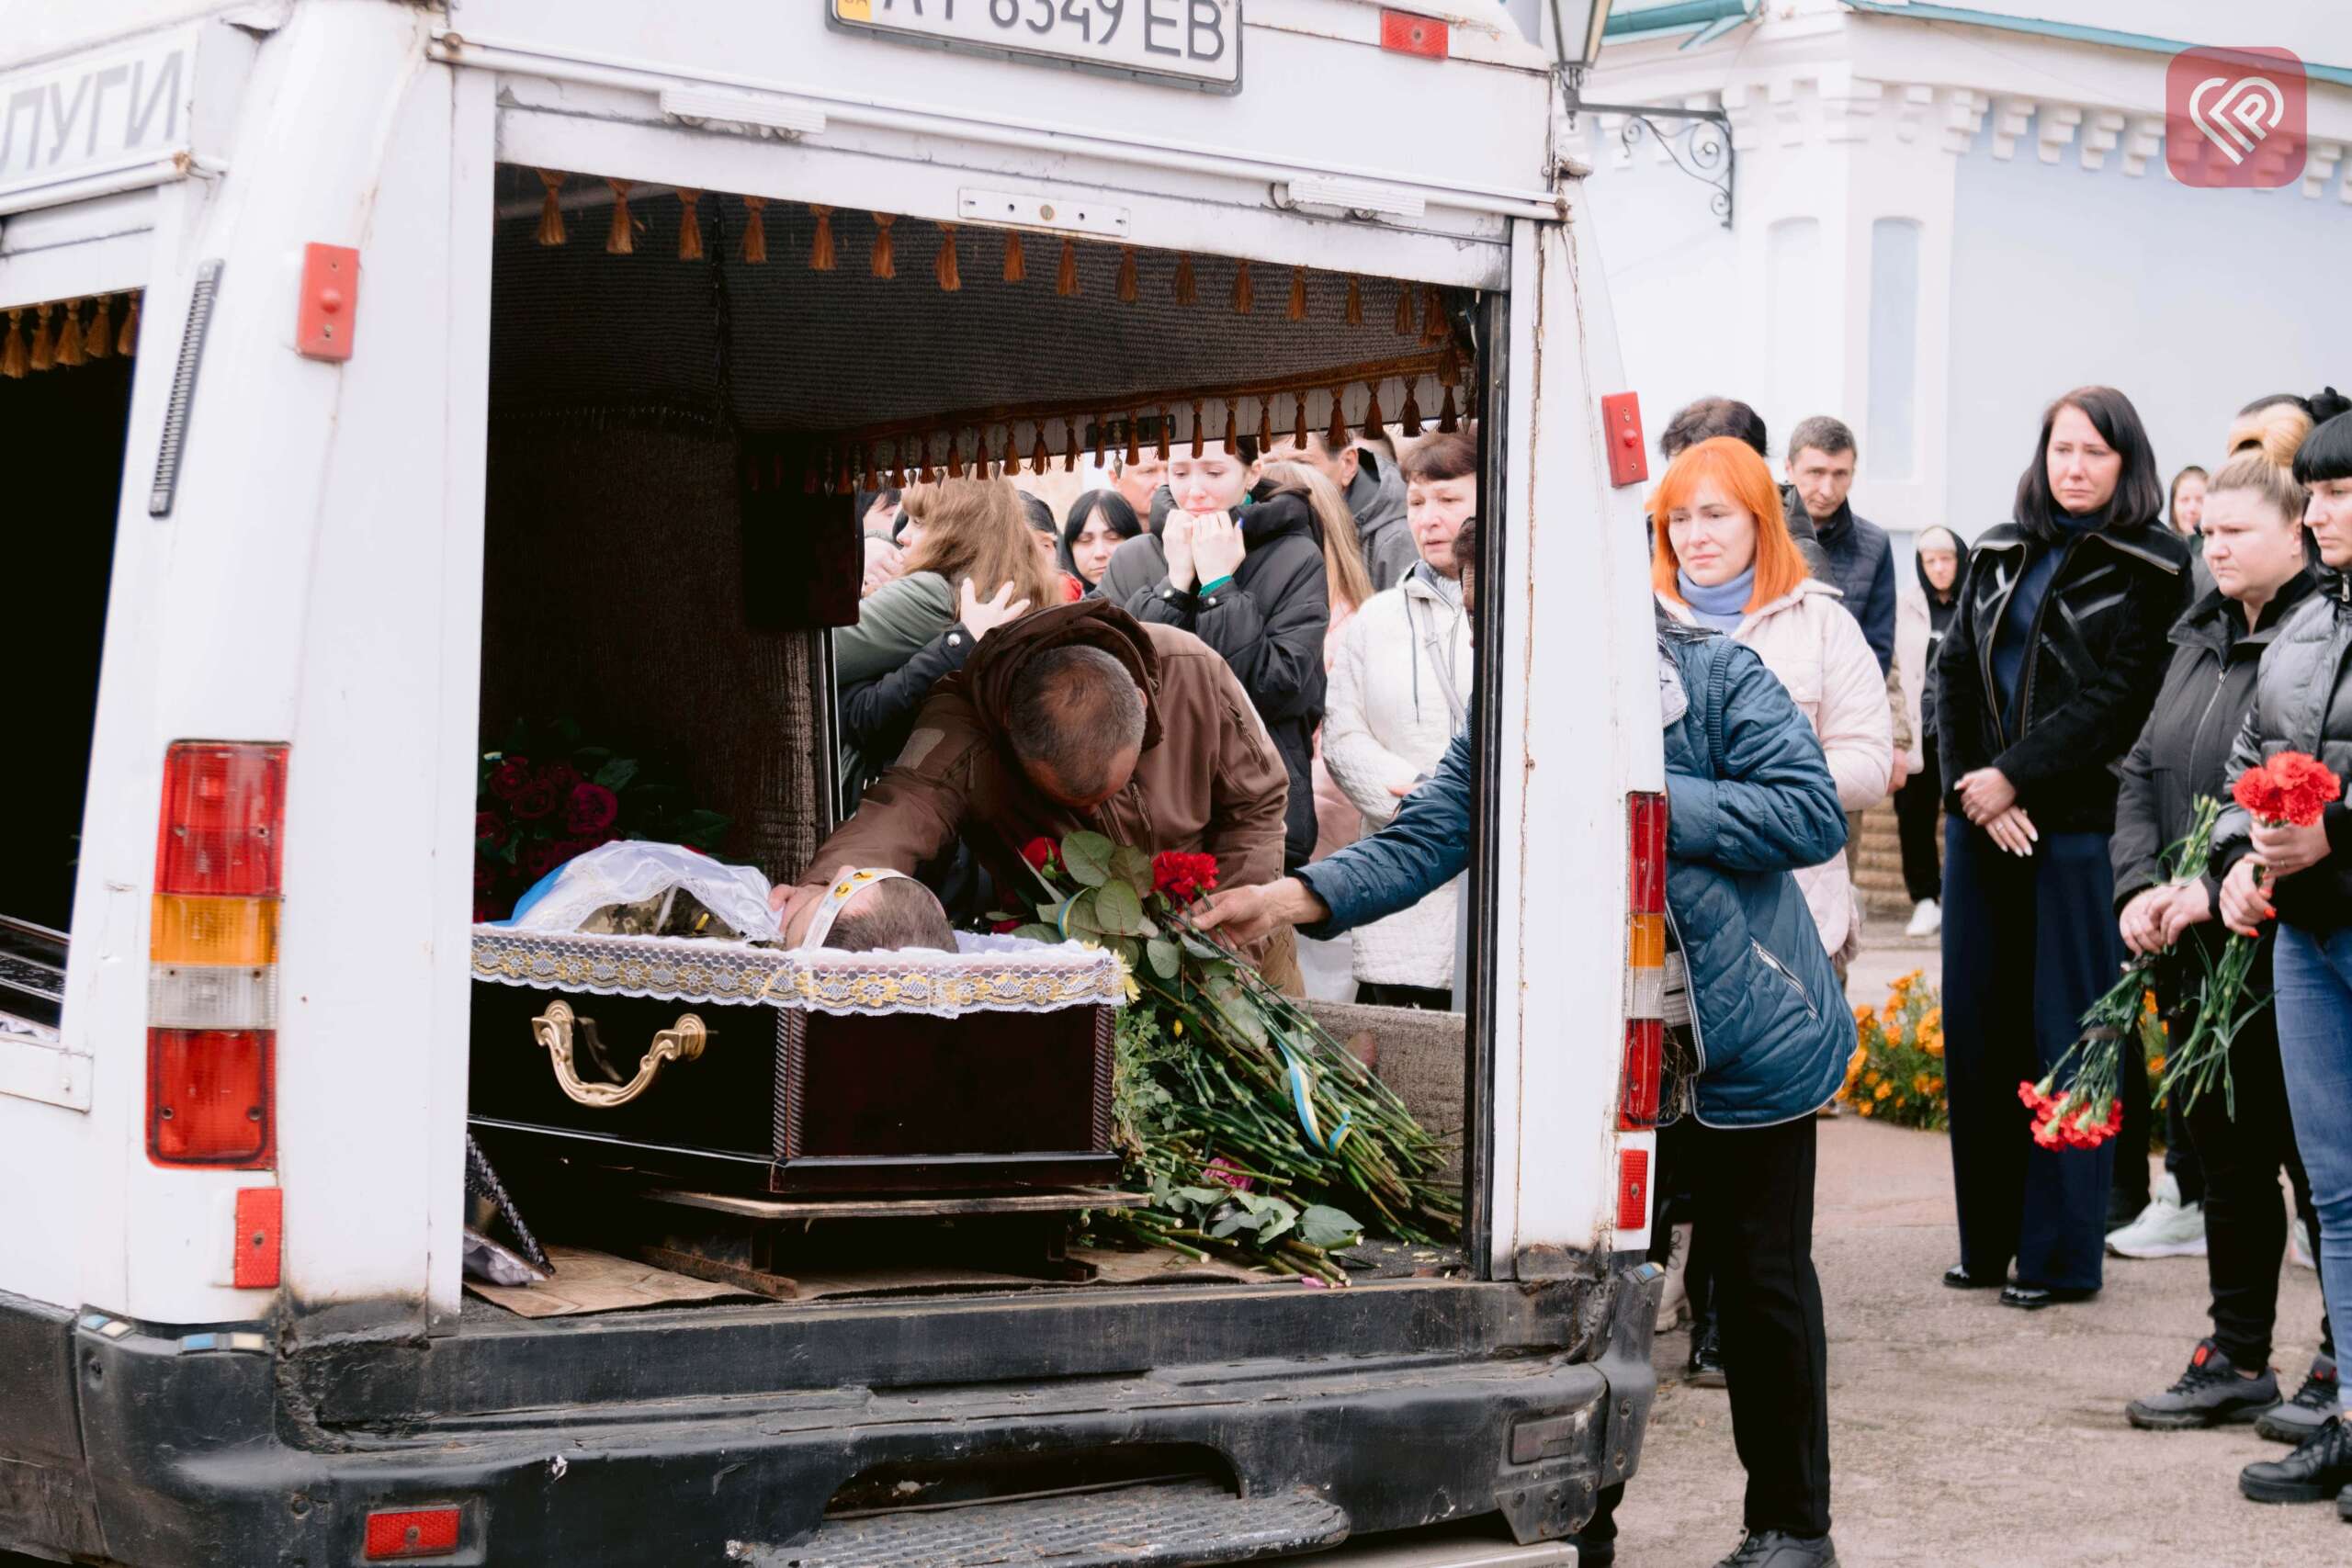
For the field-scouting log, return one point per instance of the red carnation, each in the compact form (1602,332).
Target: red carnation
(511,777)
(590,809)
(488,826)
(2292,789)
(1181,876)
(1042,853)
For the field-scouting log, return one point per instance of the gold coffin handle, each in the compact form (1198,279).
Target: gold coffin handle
(552,1029)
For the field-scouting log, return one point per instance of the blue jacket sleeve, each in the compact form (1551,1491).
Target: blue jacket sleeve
(1425,846)
(1775,806)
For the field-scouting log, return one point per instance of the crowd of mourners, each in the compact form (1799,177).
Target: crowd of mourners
(1268,655)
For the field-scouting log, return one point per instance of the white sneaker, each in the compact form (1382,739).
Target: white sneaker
(1927,918)
(2299,1247)
(2165,1228)
(1674,1303)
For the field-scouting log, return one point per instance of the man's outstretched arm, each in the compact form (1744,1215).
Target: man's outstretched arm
(1424,847)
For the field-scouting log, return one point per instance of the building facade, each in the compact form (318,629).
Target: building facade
(1929,220)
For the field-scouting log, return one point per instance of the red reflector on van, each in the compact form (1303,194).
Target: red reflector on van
(208,1097)
(418,1532)
(224,805)
(1405,33)
(1633,1189)
(260,1212)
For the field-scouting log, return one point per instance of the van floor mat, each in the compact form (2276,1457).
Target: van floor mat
(1186,1522)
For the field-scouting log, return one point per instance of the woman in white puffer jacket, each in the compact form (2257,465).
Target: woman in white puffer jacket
(1724,560)
(1398,694)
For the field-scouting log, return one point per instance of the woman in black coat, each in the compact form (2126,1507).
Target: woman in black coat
(2047,672)
(1239,565)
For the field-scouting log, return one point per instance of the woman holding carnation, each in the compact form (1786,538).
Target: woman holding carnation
(2302,876)
(2047,674)
(2254,547)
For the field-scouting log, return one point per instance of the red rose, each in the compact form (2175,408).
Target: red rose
(1222,1172)
(484,911)
(511,777)
(537,799)
(591,808)
(541,858)
(1042,853)
(562,775)
(1181,876)
(488,826)
(1005,927)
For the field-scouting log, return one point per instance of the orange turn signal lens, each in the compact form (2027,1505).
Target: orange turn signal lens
(192,930)
(1645,941)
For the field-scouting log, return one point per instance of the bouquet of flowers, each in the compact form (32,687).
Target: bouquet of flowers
(1897,1073)
(2289,790)
(544,797)
(2087,1111)
(1247,1124)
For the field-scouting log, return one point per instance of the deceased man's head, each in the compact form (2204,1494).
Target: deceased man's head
(895,912)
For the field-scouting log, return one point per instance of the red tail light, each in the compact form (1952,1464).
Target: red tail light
(208,1097)
(1647,817)
(1637,1094)
(1637,1106)
(223,806)
(212,951)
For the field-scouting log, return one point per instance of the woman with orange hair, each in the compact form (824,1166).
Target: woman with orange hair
(1724,560)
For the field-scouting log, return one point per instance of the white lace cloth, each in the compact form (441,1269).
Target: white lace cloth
(988,974)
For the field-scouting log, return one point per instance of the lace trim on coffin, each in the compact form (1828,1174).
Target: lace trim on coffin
(989,973)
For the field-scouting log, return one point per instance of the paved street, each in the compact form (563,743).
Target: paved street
(1964,1433)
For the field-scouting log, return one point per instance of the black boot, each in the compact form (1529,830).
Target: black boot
(1779,1549)
(2320,1468)
(1706,1367)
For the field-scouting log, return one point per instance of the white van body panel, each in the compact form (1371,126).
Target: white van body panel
(319,580)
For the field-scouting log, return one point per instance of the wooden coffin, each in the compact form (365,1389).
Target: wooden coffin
(755,1069)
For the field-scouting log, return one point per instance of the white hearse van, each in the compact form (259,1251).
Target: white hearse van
(373,374)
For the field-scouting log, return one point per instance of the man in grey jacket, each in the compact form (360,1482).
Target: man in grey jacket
(1375,489)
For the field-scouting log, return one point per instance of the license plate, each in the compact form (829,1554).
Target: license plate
(1197,41)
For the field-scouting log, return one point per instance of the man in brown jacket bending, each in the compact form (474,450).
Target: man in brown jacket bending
(1077,717)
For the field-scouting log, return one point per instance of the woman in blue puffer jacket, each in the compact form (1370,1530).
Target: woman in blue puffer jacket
(1749,800)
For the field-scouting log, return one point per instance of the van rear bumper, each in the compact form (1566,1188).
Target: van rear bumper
(209,1453)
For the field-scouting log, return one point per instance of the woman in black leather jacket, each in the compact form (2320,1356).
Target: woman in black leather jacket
(2046,675)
